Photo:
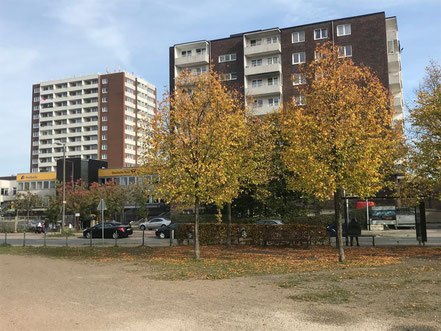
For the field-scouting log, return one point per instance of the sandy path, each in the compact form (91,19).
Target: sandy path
(40,293)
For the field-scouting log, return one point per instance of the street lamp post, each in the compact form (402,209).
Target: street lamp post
(63,217)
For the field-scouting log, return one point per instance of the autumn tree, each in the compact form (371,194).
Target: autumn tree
(116,197)
(139,194)
(424,166)
(78,198)
(341,140)
(27,202)
(197,144)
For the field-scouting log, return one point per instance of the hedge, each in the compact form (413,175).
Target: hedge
(287,234)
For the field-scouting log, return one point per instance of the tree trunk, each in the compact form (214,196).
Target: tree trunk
(338,215)
(196,230)
(229,225)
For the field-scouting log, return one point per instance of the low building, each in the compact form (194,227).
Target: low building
(8,190)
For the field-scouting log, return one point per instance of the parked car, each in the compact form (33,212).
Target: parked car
(243,232)
(165,231)
(111,230)
(154,223)
(269,222)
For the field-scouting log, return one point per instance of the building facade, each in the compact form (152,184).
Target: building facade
(92,117)
(265,64)
(8,190)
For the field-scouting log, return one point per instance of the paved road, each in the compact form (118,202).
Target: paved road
(400,238)
(34,239)
(383,238)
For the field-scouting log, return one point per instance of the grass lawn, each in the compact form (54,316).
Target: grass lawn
(218,262)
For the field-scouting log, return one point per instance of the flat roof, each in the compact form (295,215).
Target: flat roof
(290,27)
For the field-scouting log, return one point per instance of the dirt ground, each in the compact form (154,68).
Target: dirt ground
(40,293)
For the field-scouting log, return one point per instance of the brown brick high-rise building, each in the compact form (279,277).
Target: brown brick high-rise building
(264,64)
(94,116)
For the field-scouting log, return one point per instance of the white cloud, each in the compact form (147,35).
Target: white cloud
(16,60)
(96,20)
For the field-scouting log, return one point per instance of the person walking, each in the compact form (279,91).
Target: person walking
(354,230)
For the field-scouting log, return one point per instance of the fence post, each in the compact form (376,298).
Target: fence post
(90,242)
(66,239)
(116,238)
(24,239)
(6,238)
(172,234)
(44,242)
(143,237)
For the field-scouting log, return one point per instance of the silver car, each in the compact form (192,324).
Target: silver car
(154,223)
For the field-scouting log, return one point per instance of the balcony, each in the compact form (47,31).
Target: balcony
(264,90)
(266,109)
(263,69)
(192,60)
(394,62)
(263,49)
(395,83)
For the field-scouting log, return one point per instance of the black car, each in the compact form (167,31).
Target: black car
(111,230)
(164,231)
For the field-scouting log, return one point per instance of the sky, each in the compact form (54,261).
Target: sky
(53,39)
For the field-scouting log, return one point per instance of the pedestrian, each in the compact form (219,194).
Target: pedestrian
(354,230)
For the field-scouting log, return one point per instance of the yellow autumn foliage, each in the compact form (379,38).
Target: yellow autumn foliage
(342,138)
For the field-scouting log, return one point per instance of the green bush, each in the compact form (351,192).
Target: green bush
(288,234)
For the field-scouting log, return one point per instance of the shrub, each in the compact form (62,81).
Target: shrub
(288,234)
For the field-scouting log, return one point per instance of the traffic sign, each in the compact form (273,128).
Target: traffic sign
(102,205)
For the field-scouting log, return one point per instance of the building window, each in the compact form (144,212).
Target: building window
(298,37)
(298,58)
(36,90)
(104,81)
(36,107)
(35,125)
(272,40)
(273,102)
(273,81)
(227,57)
(345,51)
(256,63)
(104,128)
(36,99)
(104,137)
(343,30)
(229,76)
(104,99)
(104,90)
(200,51)
(256,83)
(104,109)
(104,147)
(35,134)
(104,118)
(298,79)
(258,103)
(273,60)
(300,100)
(321,33)
(317,56)
(104,156)
(186,53)
(255,42)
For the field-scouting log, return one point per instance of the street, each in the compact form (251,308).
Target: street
(382,238)
(36,239)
